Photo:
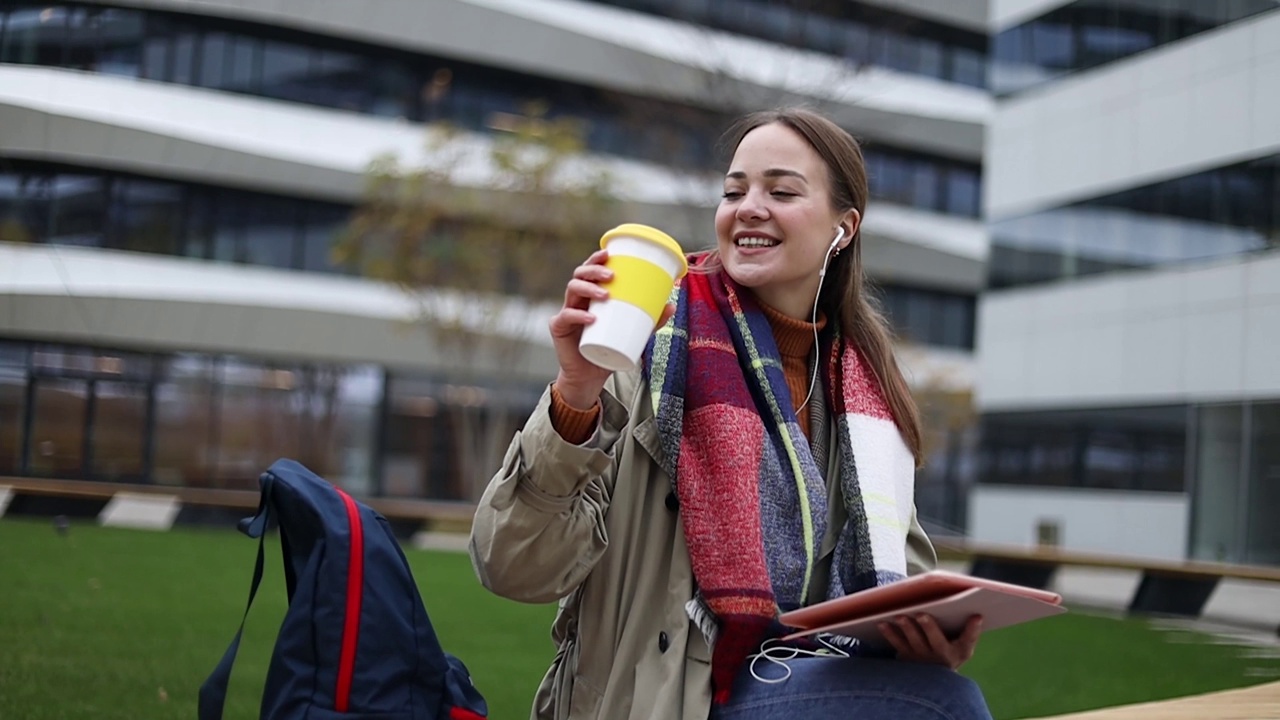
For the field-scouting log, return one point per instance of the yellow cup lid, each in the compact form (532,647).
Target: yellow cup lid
(651,234)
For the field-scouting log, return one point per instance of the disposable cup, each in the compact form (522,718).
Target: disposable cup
(646,263)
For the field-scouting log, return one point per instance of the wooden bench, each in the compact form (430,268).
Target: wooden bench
(1168,587)
(453,515)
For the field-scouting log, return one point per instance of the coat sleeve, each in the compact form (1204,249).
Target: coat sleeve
(539,527)
(921,556)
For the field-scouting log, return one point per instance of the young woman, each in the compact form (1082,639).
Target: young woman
(763,460)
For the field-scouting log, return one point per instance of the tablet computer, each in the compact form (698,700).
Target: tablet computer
(896,597)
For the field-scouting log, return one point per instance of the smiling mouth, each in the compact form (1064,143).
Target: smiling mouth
(755,242)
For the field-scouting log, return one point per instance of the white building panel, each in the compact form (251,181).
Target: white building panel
(1185,334)
(970,14)
(1007,13)
(1137,524)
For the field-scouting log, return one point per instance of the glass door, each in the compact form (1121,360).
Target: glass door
(56,446)
(1262,540)
(118,445)
(1219,484)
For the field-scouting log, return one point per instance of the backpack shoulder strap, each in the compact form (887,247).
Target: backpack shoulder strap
(213,693)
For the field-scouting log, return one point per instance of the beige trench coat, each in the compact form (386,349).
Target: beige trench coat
(592,527)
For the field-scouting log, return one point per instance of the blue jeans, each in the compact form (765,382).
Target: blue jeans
(861,688)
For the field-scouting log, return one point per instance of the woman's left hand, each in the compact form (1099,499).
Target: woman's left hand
(920,639)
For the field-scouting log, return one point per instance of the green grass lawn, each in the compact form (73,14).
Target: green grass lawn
(108,623)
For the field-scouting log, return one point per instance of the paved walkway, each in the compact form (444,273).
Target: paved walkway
(1260,702)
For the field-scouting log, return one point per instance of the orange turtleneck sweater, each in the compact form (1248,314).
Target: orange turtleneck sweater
(794,339)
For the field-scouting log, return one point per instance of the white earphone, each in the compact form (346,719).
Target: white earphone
(830,248)
(839,237)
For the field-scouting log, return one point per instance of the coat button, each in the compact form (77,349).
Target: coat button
(673,502)
(664,642)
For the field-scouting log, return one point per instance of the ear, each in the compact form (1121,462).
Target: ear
(851,220)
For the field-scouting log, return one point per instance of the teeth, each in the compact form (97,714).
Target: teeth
(756,242)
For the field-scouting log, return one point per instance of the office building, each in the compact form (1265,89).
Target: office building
(173,175)
(1129,384)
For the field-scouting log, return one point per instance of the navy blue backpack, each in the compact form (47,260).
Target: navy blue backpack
(356,642)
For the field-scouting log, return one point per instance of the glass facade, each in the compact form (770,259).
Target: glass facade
(930,317)
(1225,456)
(1090,33)
(265,61)
(952,187)
(217,421)
(429,419)
(863,34)
(1109,449)
(190,420)
(1237,492)
(1225,211)
(92,208)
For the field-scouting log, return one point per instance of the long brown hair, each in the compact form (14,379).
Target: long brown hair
(844,296)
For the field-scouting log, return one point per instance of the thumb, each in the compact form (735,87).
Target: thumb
(667,312)
(972,630)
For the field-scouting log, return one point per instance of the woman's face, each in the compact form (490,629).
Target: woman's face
(775,223)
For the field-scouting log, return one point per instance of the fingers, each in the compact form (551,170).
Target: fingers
(933,632)
(569,321)
(896,639)
(585,284)
(579,293)
(968,640)
(947,652)
(920,647)
(596,258)
(921,639)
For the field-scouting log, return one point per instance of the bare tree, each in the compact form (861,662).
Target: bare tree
(475,234)
(949,423)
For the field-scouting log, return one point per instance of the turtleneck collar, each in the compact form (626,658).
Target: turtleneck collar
(793,337)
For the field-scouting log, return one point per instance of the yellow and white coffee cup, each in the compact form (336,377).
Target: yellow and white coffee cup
(646,263)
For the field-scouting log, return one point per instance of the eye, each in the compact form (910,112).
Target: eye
(731,195)
(784,194)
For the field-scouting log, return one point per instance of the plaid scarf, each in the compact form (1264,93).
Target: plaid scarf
(752,495)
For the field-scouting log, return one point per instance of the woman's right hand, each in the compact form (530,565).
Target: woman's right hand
(580,381)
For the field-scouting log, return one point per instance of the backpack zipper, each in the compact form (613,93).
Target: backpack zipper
(355,585)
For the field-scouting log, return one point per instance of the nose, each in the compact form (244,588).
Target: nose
(752,208)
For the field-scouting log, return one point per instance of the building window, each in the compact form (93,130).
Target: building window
(118,430)
(185,443)
(13,405)
(443,437)
(46,204)
(1086,34)
(1262,541)
(1108,449)
(1237,484)
(184,419)
(922,181)
(56,442)
(1217,213)
(930,317)
(901,42)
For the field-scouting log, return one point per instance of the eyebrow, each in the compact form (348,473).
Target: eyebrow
(771,172)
